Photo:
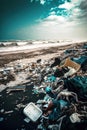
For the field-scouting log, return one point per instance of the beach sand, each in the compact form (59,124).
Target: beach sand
(33,52)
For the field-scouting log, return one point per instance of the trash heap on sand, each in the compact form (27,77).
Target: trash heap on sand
(63,81)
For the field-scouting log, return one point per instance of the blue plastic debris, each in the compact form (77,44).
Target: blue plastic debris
(48,89)
(50,92)
(63,103)
(50,79)
(80,60)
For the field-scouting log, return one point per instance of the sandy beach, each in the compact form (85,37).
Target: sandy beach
(33,52)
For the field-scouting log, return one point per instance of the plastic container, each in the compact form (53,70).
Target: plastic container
(75,118)
(70,63)
(32,112)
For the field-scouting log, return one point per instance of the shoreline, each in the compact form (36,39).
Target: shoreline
(33,47)
(43,51)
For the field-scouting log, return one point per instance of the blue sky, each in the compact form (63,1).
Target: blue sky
(43,19)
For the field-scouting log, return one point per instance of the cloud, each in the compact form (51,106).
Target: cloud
(42,2)
(83,8)
(55,18)
(64,20)
(83,5)
(51,2)
(67,5)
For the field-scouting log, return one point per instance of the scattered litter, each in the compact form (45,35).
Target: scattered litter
(8,112)
(53,127)
(71,64)
(62,81)
(39,60)
(32,112)
(16,88)
(20,105)
(75,118)
(2,110)
(70,72)
(56,62)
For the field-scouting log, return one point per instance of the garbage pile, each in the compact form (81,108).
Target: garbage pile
(63,81)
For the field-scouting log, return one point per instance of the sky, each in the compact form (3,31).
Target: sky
(43,19)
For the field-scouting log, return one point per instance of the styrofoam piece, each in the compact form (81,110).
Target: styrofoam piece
(75,118)
(32,111)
